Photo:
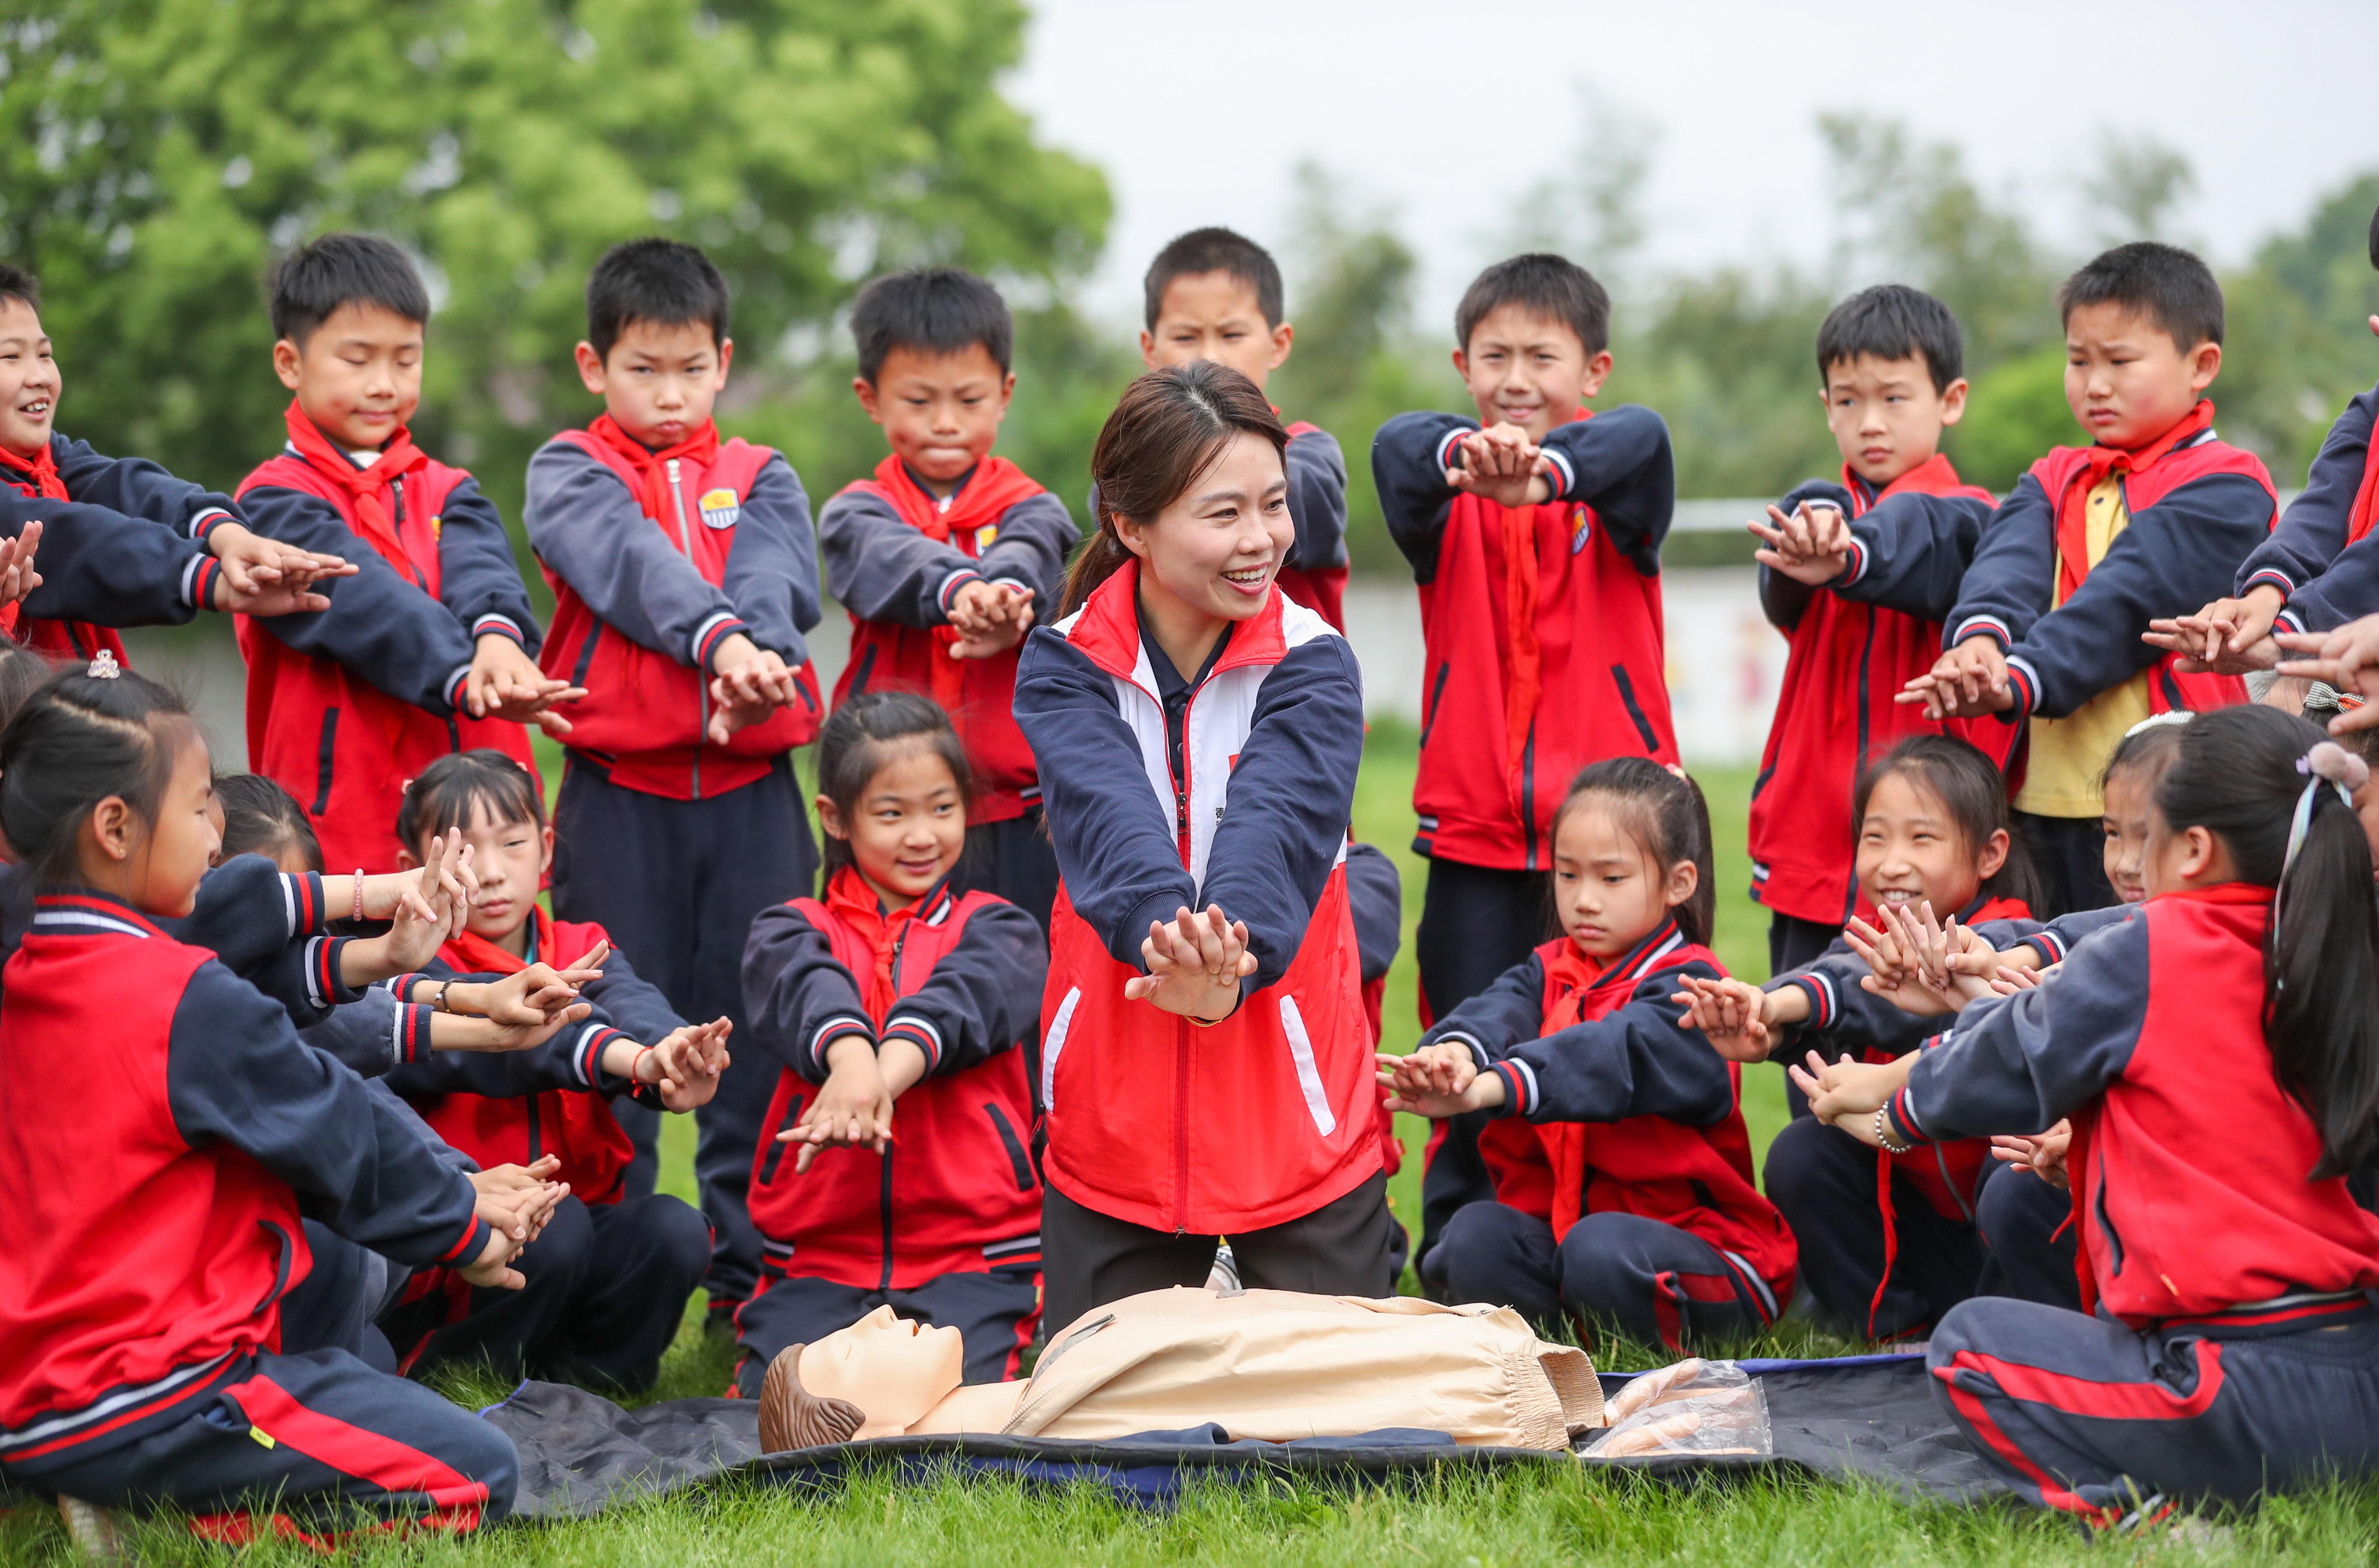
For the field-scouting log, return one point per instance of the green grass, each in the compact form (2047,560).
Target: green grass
(1562,1516)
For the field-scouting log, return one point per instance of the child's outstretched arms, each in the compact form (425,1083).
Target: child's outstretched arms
(1738,1018)
(1438,1081)
(854,1108)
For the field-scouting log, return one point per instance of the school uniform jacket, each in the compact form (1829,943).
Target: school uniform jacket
(654,559)
(2198,507)
(1542,625)
(348,703)
(959,978)
(2316,557)
(2189,1162)
(160,1171)
(896,554)
(514,1108)
(1267,1115)
(100,570)
(1856,641)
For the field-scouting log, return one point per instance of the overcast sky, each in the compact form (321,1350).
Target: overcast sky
(1447,113)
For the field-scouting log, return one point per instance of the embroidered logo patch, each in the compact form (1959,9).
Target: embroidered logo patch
(1581,527)
(719,509)
(984,536)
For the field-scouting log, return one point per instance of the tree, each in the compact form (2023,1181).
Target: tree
(2139,183)
(160,152)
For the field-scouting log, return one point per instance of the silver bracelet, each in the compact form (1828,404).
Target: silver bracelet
(1883,1133)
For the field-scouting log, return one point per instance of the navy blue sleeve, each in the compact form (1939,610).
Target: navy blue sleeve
(2313,531)
(1317,500)
(2171,558)
(1376,895)
(478,578)
(590,530)
(2347,591)
(1785,599)
(1844,1014)
(572,1059)
(439,1150)
(236,1073)
(629,1002)
(797,996)
(881,569)
(984,996)
(98,566)
(248,910)
(2060,935)
(2018,1064)
(1635,1061)
(372,1035)
(1035,537)
(1409,457)
(137,488)
(1911,553)
(2014,574)
(771,575)
(1114,843)
(1291,795)
(1618,464)
(1508,1013)
(382,627)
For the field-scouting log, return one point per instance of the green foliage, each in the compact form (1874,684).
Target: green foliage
(2015,412)
(159,153)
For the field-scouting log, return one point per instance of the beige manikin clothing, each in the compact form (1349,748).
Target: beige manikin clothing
(1278,1364)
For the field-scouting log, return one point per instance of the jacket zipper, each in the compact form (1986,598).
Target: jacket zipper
(701,681)
(1181,1026)
(899,945)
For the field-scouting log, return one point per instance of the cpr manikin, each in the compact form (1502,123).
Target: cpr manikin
(1264,1363)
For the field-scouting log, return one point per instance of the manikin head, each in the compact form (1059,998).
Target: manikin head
(877,1377)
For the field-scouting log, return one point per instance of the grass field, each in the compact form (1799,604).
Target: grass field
(1561,1516)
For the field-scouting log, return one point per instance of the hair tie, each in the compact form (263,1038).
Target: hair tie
(104,667)
(2328,763)
(2158,721)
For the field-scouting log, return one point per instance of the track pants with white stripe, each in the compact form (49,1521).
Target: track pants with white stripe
(2081,1414)
(1652,1282)
(320,1439)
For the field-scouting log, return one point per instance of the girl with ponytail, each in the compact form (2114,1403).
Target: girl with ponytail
(1203,1074)
(2219,1056)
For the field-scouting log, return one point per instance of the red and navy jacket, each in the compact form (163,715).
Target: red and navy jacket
(957,976)
(103,563)
(895,553)
(1611,1106)
(2198,507)
(1542,625)
(1855,643)
(159,1174)
(514,1108)
(2317,557)
(345,706)
(656,558)
(1255,821)
(2150,1038)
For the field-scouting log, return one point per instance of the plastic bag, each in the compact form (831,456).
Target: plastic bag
(1696,1408)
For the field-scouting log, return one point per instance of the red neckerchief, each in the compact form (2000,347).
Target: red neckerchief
(1580,976)
(2097,464)
(995,484)
(40,472)
(1526,669)
(371,492)
(1935,475)
(473,954)
(850,897)
(652,467)
(2366,498)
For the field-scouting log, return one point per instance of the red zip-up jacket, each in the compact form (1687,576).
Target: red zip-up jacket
(1611,1106)
(2188,1163)
(656,558)
(159,1174)
(958,977)
(1542,625)
(895,554)
(1269,1114)
(1856,642)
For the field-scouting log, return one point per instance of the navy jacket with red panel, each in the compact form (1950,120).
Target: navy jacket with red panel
(514,1107)
(1856,642)
(160,1171)
(1542,625)
(1255,822)
(345,706)
(959,978)
(2317,557)
(895,554)
(2190,1163)
(2198,508)
(1611,1106)
(655,558)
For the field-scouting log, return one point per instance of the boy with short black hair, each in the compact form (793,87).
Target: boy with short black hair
(1213,294)
(1533,532)
(426,651)
(684,574)
(946,555)
(1858,583)
(134,545)
(2096,540)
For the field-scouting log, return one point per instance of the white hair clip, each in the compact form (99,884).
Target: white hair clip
(104,667)
(2157,721)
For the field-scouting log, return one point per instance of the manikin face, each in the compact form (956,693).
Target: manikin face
(891,1367)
